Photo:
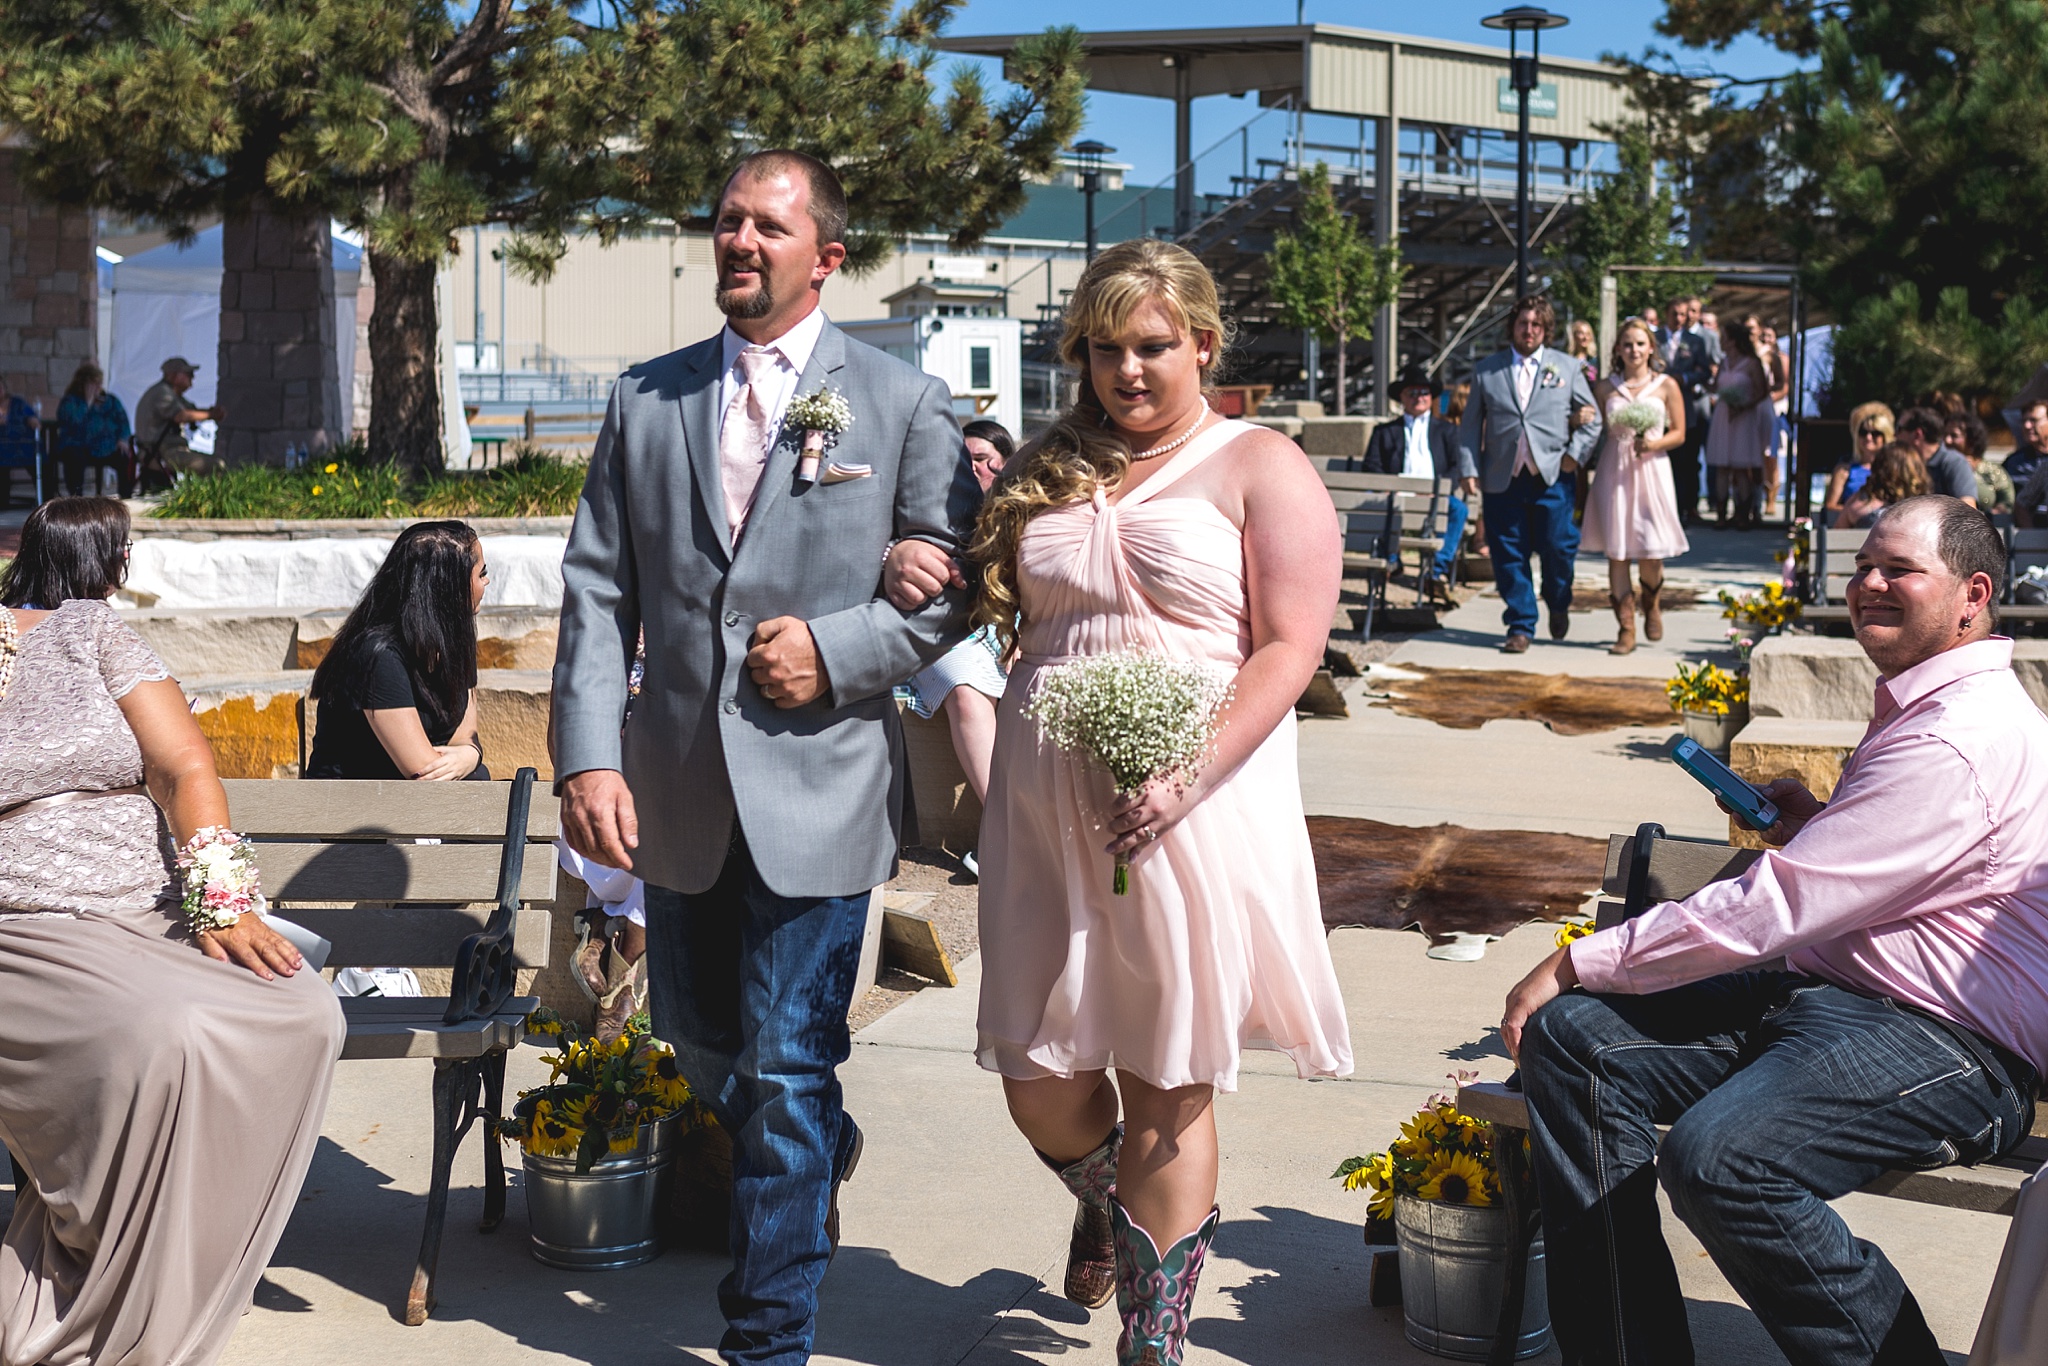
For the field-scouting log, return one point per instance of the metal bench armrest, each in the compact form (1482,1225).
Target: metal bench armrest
(484,978)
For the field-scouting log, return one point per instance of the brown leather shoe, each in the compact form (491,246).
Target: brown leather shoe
(1517,643)
(1560,622)
(845,1174)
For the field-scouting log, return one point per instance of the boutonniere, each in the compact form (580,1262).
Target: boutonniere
(821,418)
(1552,377)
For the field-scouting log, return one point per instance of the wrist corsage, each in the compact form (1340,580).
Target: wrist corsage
(221,881)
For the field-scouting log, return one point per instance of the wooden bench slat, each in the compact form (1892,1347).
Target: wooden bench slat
(335,808)
(397,872)
(410,1027)
(1678,867)
(418,936)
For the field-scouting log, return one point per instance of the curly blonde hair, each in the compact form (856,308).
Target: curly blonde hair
(1081,451)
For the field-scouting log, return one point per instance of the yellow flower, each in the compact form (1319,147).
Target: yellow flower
(1577,928)
(666,1082)
(316,490)
(1456,1179)
(330,469)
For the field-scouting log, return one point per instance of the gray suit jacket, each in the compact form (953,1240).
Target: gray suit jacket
(1689,358)
(818,790)
(1495,419)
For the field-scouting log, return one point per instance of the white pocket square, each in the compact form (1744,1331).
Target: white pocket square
(836,473)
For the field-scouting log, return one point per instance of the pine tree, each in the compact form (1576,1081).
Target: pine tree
(1904,165)
(413,119)
(1628,219)
(1325,275)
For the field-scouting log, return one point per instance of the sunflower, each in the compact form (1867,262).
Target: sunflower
(1456,1179)
(665,1080)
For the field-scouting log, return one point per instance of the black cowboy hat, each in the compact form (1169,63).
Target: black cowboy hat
(1415,377)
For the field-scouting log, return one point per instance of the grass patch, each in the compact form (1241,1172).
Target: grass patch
(533,483)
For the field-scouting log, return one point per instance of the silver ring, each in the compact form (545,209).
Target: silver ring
(1148,834)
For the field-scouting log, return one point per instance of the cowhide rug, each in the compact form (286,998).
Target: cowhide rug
(1447,879)
(1466,699)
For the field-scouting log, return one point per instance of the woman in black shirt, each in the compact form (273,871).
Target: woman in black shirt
(397,690)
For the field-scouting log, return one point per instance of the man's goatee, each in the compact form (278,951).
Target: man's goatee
(734,303)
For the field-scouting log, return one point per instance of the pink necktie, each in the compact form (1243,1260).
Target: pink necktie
(743,441)
(1525,385)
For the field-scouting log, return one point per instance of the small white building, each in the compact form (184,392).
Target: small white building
(957,332)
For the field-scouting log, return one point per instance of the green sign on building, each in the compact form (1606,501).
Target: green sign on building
(1542,100)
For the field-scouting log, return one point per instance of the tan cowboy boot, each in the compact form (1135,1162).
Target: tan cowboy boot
(1624,613)
(1653,609)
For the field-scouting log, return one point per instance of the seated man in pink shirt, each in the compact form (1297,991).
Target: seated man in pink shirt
(1906,1026)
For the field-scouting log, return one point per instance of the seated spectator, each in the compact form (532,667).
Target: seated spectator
(92,429)
(1421,445)
(1994,486)
(397,690)
(2031,455)
(1948,471)
(1897,474)
(1907,1027)
(1870,430)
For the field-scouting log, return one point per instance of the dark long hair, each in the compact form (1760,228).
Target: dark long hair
(418,602)
(70,548)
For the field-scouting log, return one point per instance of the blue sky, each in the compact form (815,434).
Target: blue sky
(1142,129)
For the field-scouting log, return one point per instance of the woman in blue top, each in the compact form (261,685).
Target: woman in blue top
(92,429)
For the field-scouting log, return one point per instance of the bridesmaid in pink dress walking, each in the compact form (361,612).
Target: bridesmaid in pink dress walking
(1632,508)
(1143,520)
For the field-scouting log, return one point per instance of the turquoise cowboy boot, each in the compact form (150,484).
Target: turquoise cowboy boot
(1091,1251)
(1155,1291)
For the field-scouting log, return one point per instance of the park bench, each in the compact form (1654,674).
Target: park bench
(2025,548)
(1644,870)
(1387,516)
(341,858)
(1834,560)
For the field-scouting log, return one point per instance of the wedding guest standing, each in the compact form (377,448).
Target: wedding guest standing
(1585,348)
(1742,425)
(1689,358)
(92,429)
(397,690)
(1522,438)
(1632,512)
(162,1078)
(1143,520)
(757,788)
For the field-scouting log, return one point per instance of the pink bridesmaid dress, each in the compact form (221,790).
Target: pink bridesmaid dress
(1632,506)
(1219,944)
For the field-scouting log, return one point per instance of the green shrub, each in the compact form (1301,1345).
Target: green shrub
(534,483)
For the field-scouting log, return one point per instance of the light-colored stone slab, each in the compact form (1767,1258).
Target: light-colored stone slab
(1341,436)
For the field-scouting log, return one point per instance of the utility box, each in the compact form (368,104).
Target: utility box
(957,333)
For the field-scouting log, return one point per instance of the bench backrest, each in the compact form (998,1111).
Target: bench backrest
(1834,557)
(2025,548)
(1357,481)
(1651,867)
(340,858)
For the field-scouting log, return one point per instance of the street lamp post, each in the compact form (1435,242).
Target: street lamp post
(1089,156)
(1522,76)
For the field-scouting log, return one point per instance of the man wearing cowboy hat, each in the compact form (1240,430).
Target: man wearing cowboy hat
(161,415)
(1421,445)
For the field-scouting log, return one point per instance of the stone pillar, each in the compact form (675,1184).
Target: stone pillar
(49,311)
(278,383)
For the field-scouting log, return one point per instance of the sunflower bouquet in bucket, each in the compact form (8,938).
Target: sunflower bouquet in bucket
(1440,1155)
(599,1096)
(1137,714)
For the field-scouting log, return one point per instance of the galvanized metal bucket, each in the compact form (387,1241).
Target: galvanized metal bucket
(609,1216)
(1454,1261)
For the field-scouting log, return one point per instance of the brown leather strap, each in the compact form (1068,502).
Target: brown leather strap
(65,798)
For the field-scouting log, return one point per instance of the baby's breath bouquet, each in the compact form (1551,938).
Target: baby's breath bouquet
(1639,418)
(820,418)
(1138,714)
(599,1095)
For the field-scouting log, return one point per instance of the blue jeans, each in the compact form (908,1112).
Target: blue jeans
(752,989)
(1782,1093)
(1455,517)
(1530,518)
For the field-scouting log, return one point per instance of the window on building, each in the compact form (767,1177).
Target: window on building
(981,367)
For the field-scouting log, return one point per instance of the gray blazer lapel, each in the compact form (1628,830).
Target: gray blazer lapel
(699,403)
(827,357)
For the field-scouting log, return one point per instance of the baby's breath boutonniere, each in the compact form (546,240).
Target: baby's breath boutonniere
(821,417)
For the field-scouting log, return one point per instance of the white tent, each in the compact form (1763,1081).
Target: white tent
(167,303)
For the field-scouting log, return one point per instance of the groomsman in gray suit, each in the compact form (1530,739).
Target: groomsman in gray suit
(1518,433)
(758,786)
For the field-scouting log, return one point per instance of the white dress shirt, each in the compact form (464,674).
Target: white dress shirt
(793,352)
(1418,463)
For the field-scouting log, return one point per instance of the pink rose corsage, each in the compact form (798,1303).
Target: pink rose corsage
(221,880)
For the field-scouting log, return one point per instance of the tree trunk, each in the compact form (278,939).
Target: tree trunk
(1342,338)
(405,393)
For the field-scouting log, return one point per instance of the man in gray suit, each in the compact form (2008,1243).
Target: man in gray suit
(1518,436)
(758,785)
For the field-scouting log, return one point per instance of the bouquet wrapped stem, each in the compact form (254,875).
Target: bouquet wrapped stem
(1138,715)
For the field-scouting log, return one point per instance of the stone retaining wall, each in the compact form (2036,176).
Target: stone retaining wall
(308,529)
(217,641)
(1822,678)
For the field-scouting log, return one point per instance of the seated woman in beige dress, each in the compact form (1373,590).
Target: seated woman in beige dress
(1142,520)
(161,1088)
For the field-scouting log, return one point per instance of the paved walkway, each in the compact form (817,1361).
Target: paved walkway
(953,1230)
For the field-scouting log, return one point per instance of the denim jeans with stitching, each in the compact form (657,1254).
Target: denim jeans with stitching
(1782,1092)
(752,990)
(1530,518)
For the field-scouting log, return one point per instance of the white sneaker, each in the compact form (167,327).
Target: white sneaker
(972,865)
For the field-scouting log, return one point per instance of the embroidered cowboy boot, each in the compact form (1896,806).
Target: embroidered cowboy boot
(1091,1251)
(1155,1291)
(1625,616)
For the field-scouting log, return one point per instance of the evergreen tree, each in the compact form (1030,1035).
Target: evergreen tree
(1903,163)
(1325,275)
(1628,219)
(413,119)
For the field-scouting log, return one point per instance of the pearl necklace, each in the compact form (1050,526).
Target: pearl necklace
(1178,441)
